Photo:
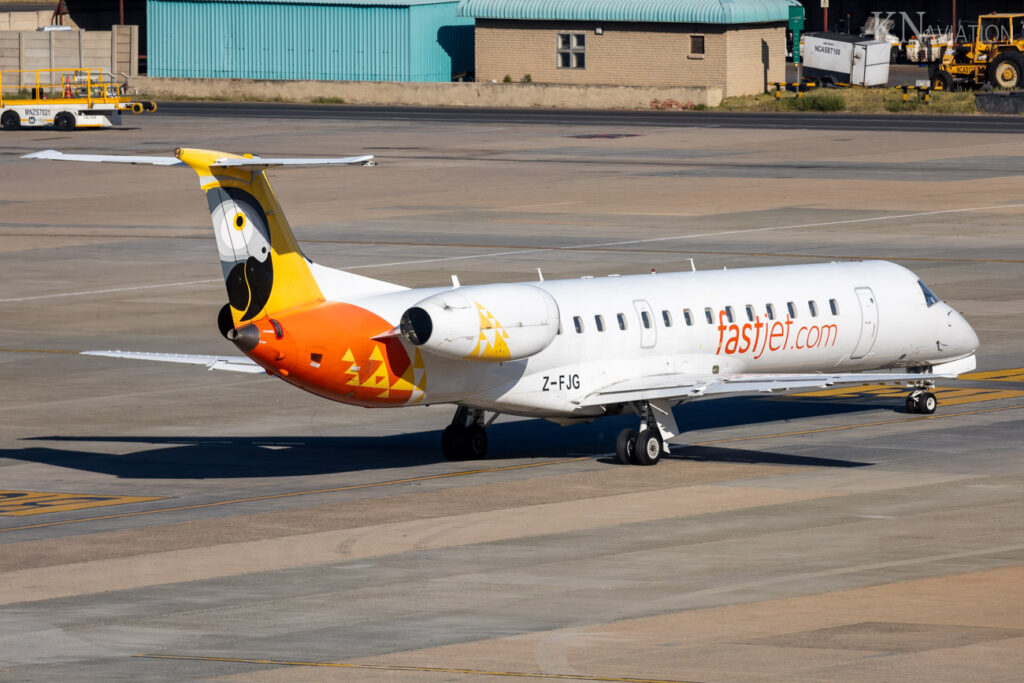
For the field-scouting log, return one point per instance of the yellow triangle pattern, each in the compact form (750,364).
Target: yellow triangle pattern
(413,380)
(491,344)
(352,371)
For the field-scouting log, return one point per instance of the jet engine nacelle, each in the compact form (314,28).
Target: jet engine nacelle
(483,322)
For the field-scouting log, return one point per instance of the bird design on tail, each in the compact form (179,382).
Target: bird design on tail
(244,245)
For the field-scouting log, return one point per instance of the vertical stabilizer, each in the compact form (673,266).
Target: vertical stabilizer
(264,270)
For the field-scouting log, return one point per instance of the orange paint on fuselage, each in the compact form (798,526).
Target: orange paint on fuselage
(328,350)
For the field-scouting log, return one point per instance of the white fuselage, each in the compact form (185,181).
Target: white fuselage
(848,316)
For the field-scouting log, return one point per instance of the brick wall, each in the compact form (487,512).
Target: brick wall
(632,54)
(757,56)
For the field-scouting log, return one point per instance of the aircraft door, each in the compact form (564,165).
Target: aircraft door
(869,322)
(645,318)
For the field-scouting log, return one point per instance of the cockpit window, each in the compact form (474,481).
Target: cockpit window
(929,295)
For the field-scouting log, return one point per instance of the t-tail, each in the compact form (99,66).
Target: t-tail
(265,272)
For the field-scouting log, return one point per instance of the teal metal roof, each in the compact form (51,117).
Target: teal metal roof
(662,11)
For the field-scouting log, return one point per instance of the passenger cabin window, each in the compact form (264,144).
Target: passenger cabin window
(929,295)
(688,317)
(667,317)
(599,322)
(728,314)
(645,318)
(750,313)
(578,322)
(812,306)
(791,307)
(769,311)
(622,321)
(834,305)
(709,316)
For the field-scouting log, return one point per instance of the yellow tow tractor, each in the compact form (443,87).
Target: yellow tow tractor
(65,99)
(996,56)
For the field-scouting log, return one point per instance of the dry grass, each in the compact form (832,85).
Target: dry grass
(856,100)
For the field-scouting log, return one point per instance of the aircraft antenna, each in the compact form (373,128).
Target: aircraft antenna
(540,275)
(693,266)
(455,281)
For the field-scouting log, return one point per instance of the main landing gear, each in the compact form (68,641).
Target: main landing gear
(644,446)
(922,402)
(466,437)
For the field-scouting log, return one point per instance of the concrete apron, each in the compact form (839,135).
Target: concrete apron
(433,94)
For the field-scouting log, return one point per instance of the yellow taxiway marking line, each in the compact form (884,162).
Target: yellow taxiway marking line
(21,503)
(290,494)
(1010,375)
(839,428)
(950,396)
(430,669)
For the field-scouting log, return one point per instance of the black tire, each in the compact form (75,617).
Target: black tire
(64,121)
(1006,71)
(648,447)
(927,403)
(912,404)
(450,442)
(10,120)
(472,443)
(941,80)
(624,447)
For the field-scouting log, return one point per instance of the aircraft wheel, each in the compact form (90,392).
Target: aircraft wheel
(10,120)
(64,121)
(913,406)
(450,442)
(927,403)
(648,447)
(472,443)
(625,447)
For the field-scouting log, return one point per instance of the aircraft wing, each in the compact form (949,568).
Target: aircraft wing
(230,363)
(256,162)
(691,387)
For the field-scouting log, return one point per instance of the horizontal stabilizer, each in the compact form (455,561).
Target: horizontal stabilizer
(230,363)
(224,162)
(111,158)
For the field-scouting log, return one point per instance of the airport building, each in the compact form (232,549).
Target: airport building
(338,40)
(736,45)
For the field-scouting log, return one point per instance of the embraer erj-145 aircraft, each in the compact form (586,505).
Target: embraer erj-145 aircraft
(565,350)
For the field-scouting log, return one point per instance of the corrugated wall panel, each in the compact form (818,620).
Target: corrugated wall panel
(441,43)
(302,41)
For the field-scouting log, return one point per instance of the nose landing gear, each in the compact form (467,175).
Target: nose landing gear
(466,437)
(921,402)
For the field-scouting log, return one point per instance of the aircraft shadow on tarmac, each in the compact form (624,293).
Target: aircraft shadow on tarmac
(204,457)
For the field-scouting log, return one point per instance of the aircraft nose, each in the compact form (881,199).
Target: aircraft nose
(962,336)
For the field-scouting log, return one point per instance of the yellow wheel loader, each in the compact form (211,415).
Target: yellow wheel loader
(995,57)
